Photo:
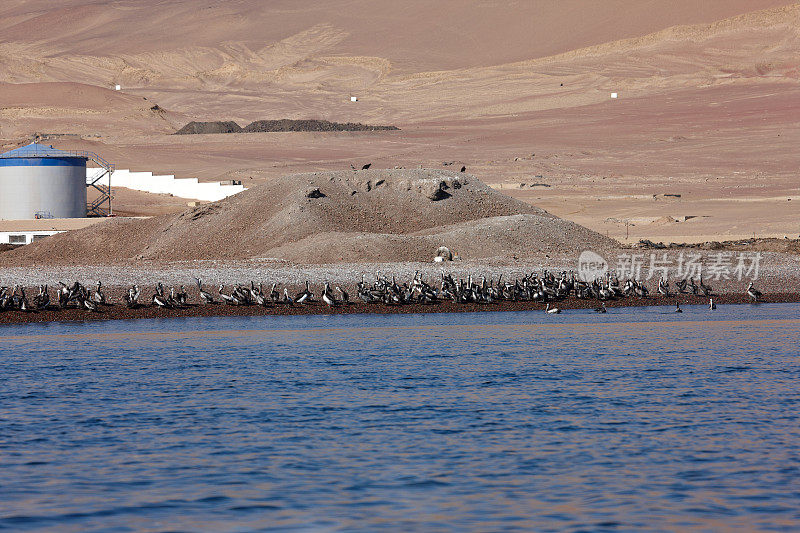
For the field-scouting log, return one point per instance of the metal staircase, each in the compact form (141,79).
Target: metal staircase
(101,206)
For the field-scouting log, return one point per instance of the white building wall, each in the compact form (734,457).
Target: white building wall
(189,188)
(16,237)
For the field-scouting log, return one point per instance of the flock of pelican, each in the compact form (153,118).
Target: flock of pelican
(544,287)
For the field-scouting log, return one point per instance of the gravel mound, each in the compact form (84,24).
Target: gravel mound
(310,125)
(330,217)
(228,126)
(276,125)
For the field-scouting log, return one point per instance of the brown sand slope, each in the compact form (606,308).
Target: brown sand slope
(67,107)
(326,217)
(414,35)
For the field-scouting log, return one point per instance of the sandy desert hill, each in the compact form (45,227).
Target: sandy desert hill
(517,91)
(350,216)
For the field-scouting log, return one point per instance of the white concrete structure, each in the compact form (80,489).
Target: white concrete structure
(189,188)
(354,98)
(613,95)
(28,231)
(118,87)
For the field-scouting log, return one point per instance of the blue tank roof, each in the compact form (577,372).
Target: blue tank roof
(35,150)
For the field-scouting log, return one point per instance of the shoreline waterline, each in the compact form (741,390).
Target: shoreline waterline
(118,311)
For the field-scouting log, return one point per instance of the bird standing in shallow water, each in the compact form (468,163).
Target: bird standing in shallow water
(552,310)
(678,308)
(711,304)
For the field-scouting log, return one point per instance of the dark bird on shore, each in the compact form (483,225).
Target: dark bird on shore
(306,296)
(98,296)
(705,288)
(228,299)
(345,295)
(365,167)
(463,169)
(273,293)
(42,300)
(678,308)
(132,298)
(352,166)
(23,300)
(663,287)
(753,293)
(693,286)
(158,297)
(204,296)
(182,296)
(601,309)
(328,299)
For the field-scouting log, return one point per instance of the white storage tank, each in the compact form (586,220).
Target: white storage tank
(39,181)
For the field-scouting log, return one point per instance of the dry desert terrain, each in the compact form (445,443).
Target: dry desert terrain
(701,143)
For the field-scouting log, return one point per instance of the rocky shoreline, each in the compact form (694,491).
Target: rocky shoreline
(119,311)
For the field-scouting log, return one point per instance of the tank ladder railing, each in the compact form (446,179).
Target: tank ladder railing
(101,206)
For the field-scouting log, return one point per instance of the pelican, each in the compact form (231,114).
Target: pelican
(230,300)
(552,310)
(132,298)
(305,296)
(705,288)
(42,300)
(183,297)
(159,299)
(23,301)
(711,304)
(753,293)
(663,287)
(98,296)
(204,296)
(274,294)
(345,296)
(328,299)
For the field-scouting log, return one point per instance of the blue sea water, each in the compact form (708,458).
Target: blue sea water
(637,420)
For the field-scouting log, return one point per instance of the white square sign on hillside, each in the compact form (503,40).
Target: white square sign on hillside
(614,95)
